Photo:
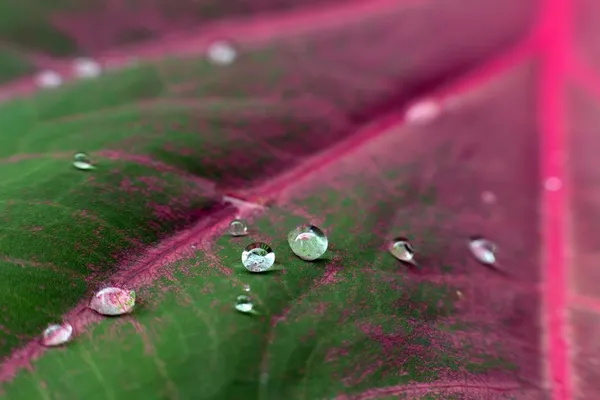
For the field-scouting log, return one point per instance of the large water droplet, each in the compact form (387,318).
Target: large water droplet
(83,162)
(244,304)
(483,250)
(221,53)
(308,242)
(258,257)
(55,335)
(113,301)
(402,250)
(238,227)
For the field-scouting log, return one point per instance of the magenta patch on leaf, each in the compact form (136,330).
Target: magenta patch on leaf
(113,301)
(56,334)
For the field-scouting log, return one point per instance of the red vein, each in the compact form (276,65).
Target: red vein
(554,35)
(158,166)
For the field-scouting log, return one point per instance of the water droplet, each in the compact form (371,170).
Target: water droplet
(244,304)
(238,227)
(86,68)
(459,295)
(56,334)
(423,111)
(246,288)
(488,197)
(48,79)
(258,257)
(402,250)
(113,301)
(83,162)
(483,250)
(553,184)
(308,242)
(221,53)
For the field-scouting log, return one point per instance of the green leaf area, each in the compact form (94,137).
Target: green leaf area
(168,138)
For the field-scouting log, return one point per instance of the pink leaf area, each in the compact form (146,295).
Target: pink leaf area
(434,121)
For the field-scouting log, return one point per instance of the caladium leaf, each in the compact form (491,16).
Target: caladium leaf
(434,121)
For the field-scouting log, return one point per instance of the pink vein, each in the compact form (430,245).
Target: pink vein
(554,41)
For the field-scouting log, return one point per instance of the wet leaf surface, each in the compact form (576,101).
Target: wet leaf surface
(372,128)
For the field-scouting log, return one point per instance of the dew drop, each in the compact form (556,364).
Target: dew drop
(238,227)
(221,53)
(113,301)
(258,257)
(48,79)
(83,162)
(56,334)
(483,250)
(244,304)
(246,288)
(402,250)
(553,184)
(488,197)
(423,112)
(86,68)
(308,242)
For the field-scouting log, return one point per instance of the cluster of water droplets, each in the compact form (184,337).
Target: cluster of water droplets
(110,301)
(309,243)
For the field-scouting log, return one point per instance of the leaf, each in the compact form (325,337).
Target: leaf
(397,122)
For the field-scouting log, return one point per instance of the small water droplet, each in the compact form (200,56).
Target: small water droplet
(488,197)
(83,162)
(48,79)
(459,295)
(258,257)
(56,334)
(86,68)
(483,250)
(221,53)
(238,227)
(423,111)
(244,304)
(402,250)
(308,242)
(553,184)
(113,301)
(246,288)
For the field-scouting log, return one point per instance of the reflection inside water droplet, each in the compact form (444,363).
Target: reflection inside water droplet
(484,250)
(238,227)
(308,242)
(55,335)
(258,257)
(402,250)
(113,301)
(83,162)
(244,304)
